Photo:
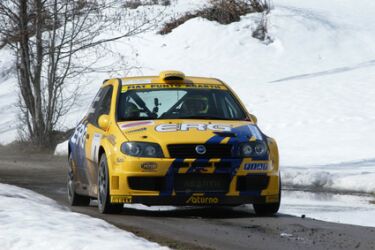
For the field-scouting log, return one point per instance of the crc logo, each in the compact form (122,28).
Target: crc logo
(200,149)
(202,200)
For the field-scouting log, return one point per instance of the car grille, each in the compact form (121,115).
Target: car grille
(254,182)
(148,183)
(187,183)
(188,151)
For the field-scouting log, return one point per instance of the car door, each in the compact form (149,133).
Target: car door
(78,147)
(94,135)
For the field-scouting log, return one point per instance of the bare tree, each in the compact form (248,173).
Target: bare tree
(48,37)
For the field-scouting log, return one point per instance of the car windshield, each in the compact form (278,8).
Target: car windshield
(178,103)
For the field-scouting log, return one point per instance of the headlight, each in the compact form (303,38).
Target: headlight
(252,149)
(246,150)
(142,149)
(260,148)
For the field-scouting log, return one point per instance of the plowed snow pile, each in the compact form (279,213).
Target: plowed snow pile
(32,221)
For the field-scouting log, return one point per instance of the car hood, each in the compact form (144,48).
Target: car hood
(190,131)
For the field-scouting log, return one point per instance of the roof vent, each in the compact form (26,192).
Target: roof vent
(172,75)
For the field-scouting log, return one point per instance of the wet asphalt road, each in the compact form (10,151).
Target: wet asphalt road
(199,228)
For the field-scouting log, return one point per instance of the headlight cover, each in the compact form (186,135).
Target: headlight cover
(142,149)
(252,149)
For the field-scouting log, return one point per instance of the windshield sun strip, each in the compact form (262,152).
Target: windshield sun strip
(159,86)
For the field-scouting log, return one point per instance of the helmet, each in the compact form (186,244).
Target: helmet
(131,111)
(197,104)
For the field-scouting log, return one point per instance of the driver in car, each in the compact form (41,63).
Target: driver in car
(131,111)
(195,105)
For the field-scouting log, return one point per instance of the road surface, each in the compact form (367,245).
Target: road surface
(199,228)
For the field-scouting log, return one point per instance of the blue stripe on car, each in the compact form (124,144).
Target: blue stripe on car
(175,166)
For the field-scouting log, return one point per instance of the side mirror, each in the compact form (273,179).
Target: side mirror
(253,118)
(103,122)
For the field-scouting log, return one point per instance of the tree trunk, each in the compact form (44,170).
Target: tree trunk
(40,132)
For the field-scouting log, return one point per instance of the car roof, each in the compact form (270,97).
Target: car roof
(157,79)
(168,77)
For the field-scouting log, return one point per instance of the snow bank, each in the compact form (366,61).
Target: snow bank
(348,209)
(31,221)
(349,176)
(62,149)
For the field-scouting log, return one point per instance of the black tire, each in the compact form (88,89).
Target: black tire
(74,198)
(268,209)
(104,204)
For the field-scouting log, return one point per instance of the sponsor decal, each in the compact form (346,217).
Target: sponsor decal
(120,160)
(121,199)
(95,144)
(135,130)
(79,135)
(129,125)
(200,169)
(78,144)
(191,126)
(149,166)
(142,84)
(110,138)
(137,81)
(256,166)
(199,199)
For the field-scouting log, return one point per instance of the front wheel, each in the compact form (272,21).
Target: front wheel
(268,209)
(104,203)
(74,198)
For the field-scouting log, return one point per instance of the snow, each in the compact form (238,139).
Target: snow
(350,177)
(348,209)
(8,98)
(62,149)
(151,208)
(24,225)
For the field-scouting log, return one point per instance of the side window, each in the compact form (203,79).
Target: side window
(105,103)
(94,106)
(101,105)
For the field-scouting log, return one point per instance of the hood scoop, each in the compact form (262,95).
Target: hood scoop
(226,134)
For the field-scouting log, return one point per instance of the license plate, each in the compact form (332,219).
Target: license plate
(202,183)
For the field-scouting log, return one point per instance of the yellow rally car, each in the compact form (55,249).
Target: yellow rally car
(171,140)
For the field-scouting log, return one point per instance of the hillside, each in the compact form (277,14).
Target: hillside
(312,88)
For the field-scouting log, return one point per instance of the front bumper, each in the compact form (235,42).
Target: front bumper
(194,200)
(246,181)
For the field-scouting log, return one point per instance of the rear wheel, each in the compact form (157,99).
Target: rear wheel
(104,204)
(268,209)
(74,198)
